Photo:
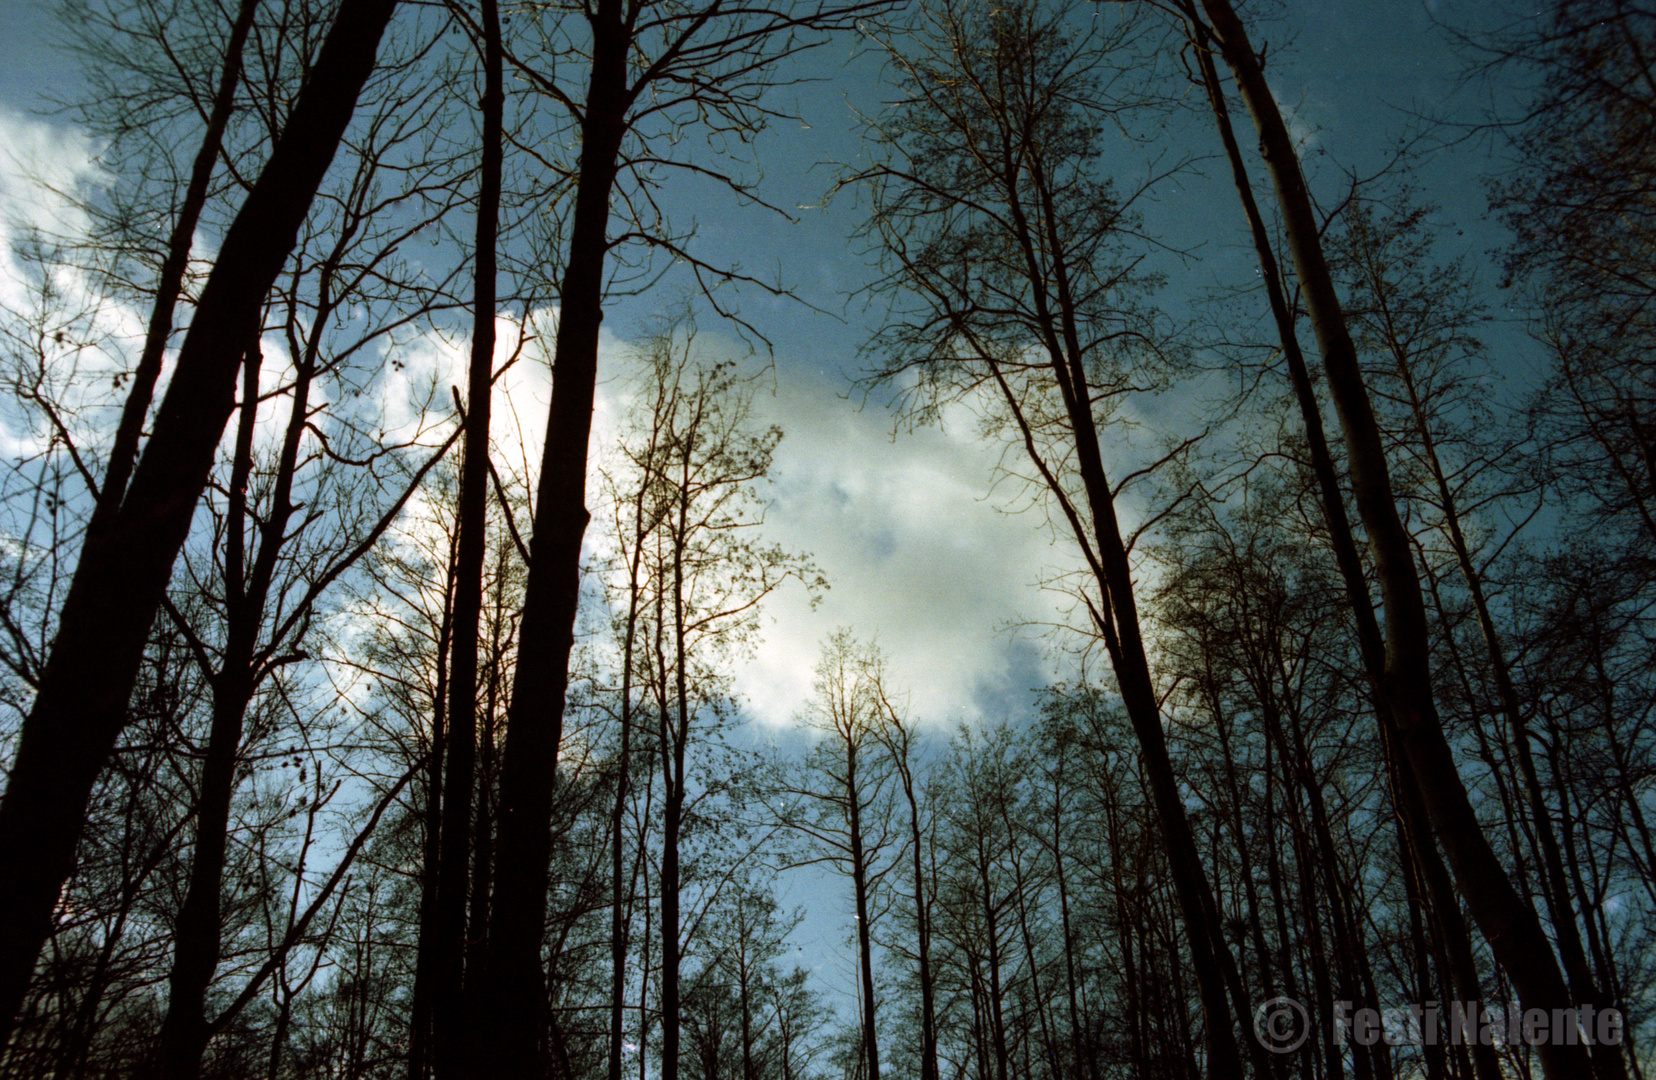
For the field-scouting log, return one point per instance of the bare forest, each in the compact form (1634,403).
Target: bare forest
(410,666)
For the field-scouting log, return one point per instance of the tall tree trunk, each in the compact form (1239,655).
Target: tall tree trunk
(534,720)
(922,917)
(675,740)
(483,822)
(197,929)
(80,705)
(1420,954)
(995,1016)
(1275,880)
(184,1032)
(619,891)
(1320,961)
(744,976)
(671,999)
(860,884)
(419,1037)
(451,1022)
(620,886)
(1607,1059)
(482,853)
(1250,889)
(1118,623)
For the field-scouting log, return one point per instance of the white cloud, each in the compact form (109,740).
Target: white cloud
(929,546)
(71,341)
(43,168)
(917,549)
(417,377)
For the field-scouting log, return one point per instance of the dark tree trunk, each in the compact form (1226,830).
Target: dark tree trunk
(197,929)
(1119,625)
(1082,1063)
(1420,954)
(620,891)
(922,916)
(1424,766)
(483,821)
(859,881)
(80,705)
(671,1000)
(419,1038)
(451,1022)
(675,742)
(1607,1059)
(1250,888)
(1276,882)
(995,1018)
(534,721)
(184,1032)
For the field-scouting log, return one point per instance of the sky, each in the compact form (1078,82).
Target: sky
(924,551)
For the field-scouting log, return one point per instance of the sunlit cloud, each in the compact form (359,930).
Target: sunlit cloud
(69,342)
(920,554)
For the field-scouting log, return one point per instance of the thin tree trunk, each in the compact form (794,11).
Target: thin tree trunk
(928,1005)
(671,999)
(675,735)
(170,282)
(620,887)
(1321,963)
(1079,1059)
(278,1039)
(483,828)
(419,1040)
(859,881)
(744,974)
(1421,953)
(1275,882)
(991,934)
(483,823)
(618,884)
(1049,1050)
(1123,641)
(1606,1058)
(451,1020)
(1250,890)
(184,1031)
(196,932)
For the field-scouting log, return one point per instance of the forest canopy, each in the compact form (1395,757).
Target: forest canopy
(812,539)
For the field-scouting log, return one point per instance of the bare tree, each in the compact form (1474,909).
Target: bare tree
(699,458)
(653,71)
(848,809)
(897,734)
(1008,249)
(452,1016)
(1507,921)
(118,584)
